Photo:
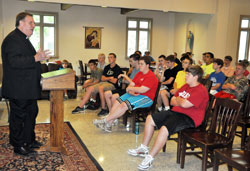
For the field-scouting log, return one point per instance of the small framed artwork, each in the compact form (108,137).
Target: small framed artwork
(93,37)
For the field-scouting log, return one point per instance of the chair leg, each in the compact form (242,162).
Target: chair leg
(125,119)
(243,137)
(216,162)
(183,152)
(204,159)
(178,148)
(230,168)
(8,109)
(164,148)
(133,122)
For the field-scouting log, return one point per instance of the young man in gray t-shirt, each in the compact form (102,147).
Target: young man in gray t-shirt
(95,78)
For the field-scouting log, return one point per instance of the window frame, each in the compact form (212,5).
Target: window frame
(138,29)
(247,53)
(42,25)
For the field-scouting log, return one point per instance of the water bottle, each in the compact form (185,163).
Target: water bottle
(137,128)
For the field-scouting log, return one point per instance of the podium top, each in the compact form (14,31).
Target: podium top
(57,73)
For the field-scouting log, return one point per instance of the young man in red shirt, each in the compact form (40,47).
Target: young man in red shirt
(189,104)
(140,94)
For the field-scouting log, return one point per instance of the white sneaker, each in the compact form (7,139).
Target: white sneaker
(146,163)
(166,108)
(141,151)
(105,127)
(115,122)
(98,122)
(159,109)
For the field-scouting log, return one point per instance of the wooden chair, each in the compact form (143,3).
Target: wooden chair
(219,135)
(83,72)
(236,158)
(244,121)
(140,114)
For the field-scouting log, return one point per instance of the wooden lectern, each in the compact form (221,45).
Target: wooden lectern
(57,82)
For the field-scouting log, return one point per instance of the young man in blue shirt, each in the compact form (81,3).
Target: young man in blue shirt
(217,77)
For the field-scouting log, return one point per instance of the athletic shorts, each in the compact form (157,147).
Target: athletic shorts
(134,102)
(173,121)
(106,86)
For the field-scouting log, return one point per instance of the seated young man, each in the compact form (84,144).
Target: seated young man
(112,95)
(161,67)
(227,69)
(208,66)
(95,78)
(108,82)
(246,63)
(236,86)
(189,103)
(180,77)
(101,61)
(140,94)
(217,77)
(167,84)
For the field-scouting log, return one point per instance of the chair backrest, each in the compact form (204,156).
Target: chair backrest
(70,66)
(246,110)
(208,113)
(44,68)
(225,117)
(81,67)
(207,83)
(152,108)
(53,67)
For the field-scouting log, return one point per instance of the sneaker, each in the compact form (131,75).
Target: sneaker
(146,163)
(98,122)
(105,127)
(115,122)
(103,112)
(92,106)
(78,110)
(141,151)
(159,109)
(166,108)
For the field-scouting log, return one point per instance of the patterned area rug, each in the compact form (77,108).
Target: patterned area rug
(80,158)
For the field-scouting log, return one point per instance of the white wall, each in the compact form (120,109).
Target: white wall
(71,31)
(237,8)
(217,33)
(199,25)
(1,25)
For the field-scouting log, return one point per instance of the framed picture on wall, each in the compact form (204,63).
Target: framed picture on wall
(93,37)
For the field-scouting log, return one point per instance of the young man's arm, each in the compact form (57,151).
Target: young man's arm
(228,86)
(139,90)
(179,101)
(127,80)
(169,81)
(216,86)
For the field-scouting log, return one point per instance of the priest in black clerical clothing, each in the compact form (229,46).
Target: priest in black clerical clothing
(21,83)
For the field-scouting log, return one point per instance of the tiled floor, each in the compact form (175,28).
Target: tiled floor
(110,149)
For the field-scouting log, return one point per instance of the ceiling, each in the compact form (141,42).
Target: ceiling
(191,6)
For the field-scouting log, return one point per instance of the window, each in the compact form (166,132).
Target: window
(138,35)
(45,32)
(244,38)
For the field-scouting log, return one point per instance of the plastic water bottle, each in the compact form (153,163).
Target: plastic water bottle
(137,128)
